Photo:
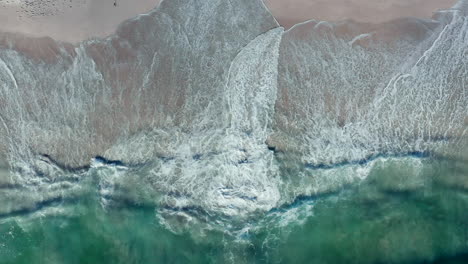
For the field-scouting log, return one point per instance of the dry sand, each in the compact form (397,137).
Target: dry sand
(76,20)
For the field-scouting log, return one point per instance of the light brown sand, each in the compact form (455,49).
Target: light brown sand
(76,20)
(290,12)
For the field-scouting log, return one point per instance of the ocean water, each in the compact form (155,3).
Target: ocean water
(181,139)
(384,219)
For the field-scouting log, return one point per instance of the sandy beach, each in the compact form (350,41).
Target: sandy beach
(77,20)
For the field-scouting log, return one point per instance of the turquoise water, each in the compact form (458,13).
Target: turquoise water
(398,214)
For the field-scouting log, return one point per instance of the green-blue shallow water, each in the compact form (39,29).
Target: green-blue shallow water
(391,217)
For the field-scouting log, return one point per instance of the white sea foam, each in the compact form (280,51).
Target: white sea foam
(194,126)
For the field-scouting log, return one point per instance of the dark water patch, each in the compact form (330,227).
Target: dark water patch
(272,148)
(126,203)
(38,207)
(10,186)
(364,161)
(109,162)
(461,258)
(73,169)
(301,200)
